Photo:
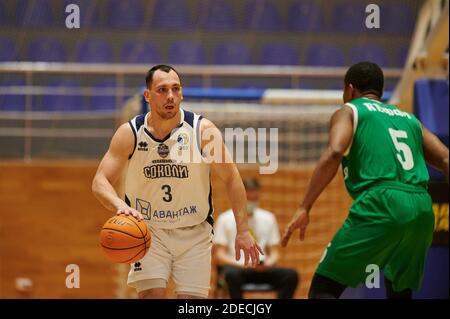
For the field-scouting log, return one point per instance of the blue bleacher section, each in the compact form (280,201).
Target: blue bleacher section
(279,54)
(35,13)
(214,22)
(4,16)
(431,108)
(324,55)
(232,53)
(217,15)
(392,13)
(224,32)
(348,18)
(53,102)
(262,15)
(8,49)
(126,14)
(103,102)
(94,50)
(171,15)
(46,49)
(369,52)
(139,51)
(12,102)
(187,52)
(306,16)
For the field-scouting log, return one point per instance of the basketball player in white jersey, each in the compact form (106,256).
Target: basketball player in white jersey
(173,196)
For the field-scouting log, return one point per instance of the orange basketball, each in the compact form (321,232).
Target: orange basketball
(124,239)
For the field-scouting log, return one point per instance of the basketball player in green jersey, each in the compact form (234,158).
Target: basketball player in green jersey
(383,152)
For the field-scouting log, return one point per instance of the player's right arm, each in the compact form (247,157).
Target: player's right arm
(436,153)
(340,138)
(224,259)
(110,169)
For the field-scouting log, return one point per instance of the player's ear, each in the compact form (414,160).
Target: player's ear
(147,95)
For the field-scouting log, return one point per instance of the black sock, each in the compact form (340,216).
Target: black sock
(325,288)
(391,294)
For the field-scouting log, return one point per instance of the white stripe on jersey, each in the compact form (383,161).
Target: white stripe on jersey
(165,179)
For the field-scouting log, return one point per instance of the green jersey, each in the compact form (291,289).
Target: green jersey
(386,147)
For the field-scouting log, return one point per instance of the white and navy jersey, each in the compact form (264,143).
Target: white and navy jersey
(167,180)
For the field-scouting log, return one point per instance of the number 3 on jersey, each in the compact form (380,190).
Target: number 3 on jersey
(406,160)
(167,195)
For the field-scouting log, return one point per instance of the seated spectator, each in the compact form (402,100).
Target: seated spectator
(264,228)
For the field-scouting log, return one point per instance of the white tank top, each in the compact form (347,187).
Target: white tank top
(166,180)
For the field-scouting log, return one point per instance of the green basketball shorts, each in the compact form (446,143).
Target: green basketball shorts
(390,228)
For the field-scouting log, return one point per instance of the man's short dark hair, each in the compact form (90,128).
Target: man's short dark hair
(251,184)
(367,77)
(162,67)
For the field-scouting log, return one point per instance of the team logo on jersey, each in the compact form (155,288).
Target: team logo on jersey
(144,208)
(183,141)
(142,146)
(166,170)
(137,266)
(163,150)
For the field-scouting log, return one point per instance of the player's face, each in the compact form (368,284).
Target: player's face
(165,94)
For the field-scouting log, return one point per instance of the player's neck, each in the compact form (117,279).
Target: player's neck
(161,127)
(370,96)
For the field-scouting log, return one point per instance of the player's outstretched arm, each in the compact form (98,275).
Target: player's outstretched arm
(111,168)
(340,137)
(436,153)
(222,165)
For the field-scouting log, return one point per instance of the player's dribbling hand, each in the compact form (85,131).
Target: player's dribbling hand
(126,210)
(250,247)
(299,221)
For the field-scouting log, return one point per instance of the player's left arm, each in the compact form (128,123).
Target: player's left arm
(222,164)
(340,137)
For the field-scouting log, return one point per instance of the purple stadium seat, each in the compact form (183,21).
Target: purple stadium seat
(262,15)
(397,19)
(8,50)
(135,51)
(61,102)
(402,55)
(369,52)
(172,14)
(12,102)
(217,15)
(94,50)
(232,53)
(103,102)
(186,52)
(306,16)
(4,16)
(279,54)
(125,14)
(349,18)
(34,13)
(324,55)
(46,49)
(89,13)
